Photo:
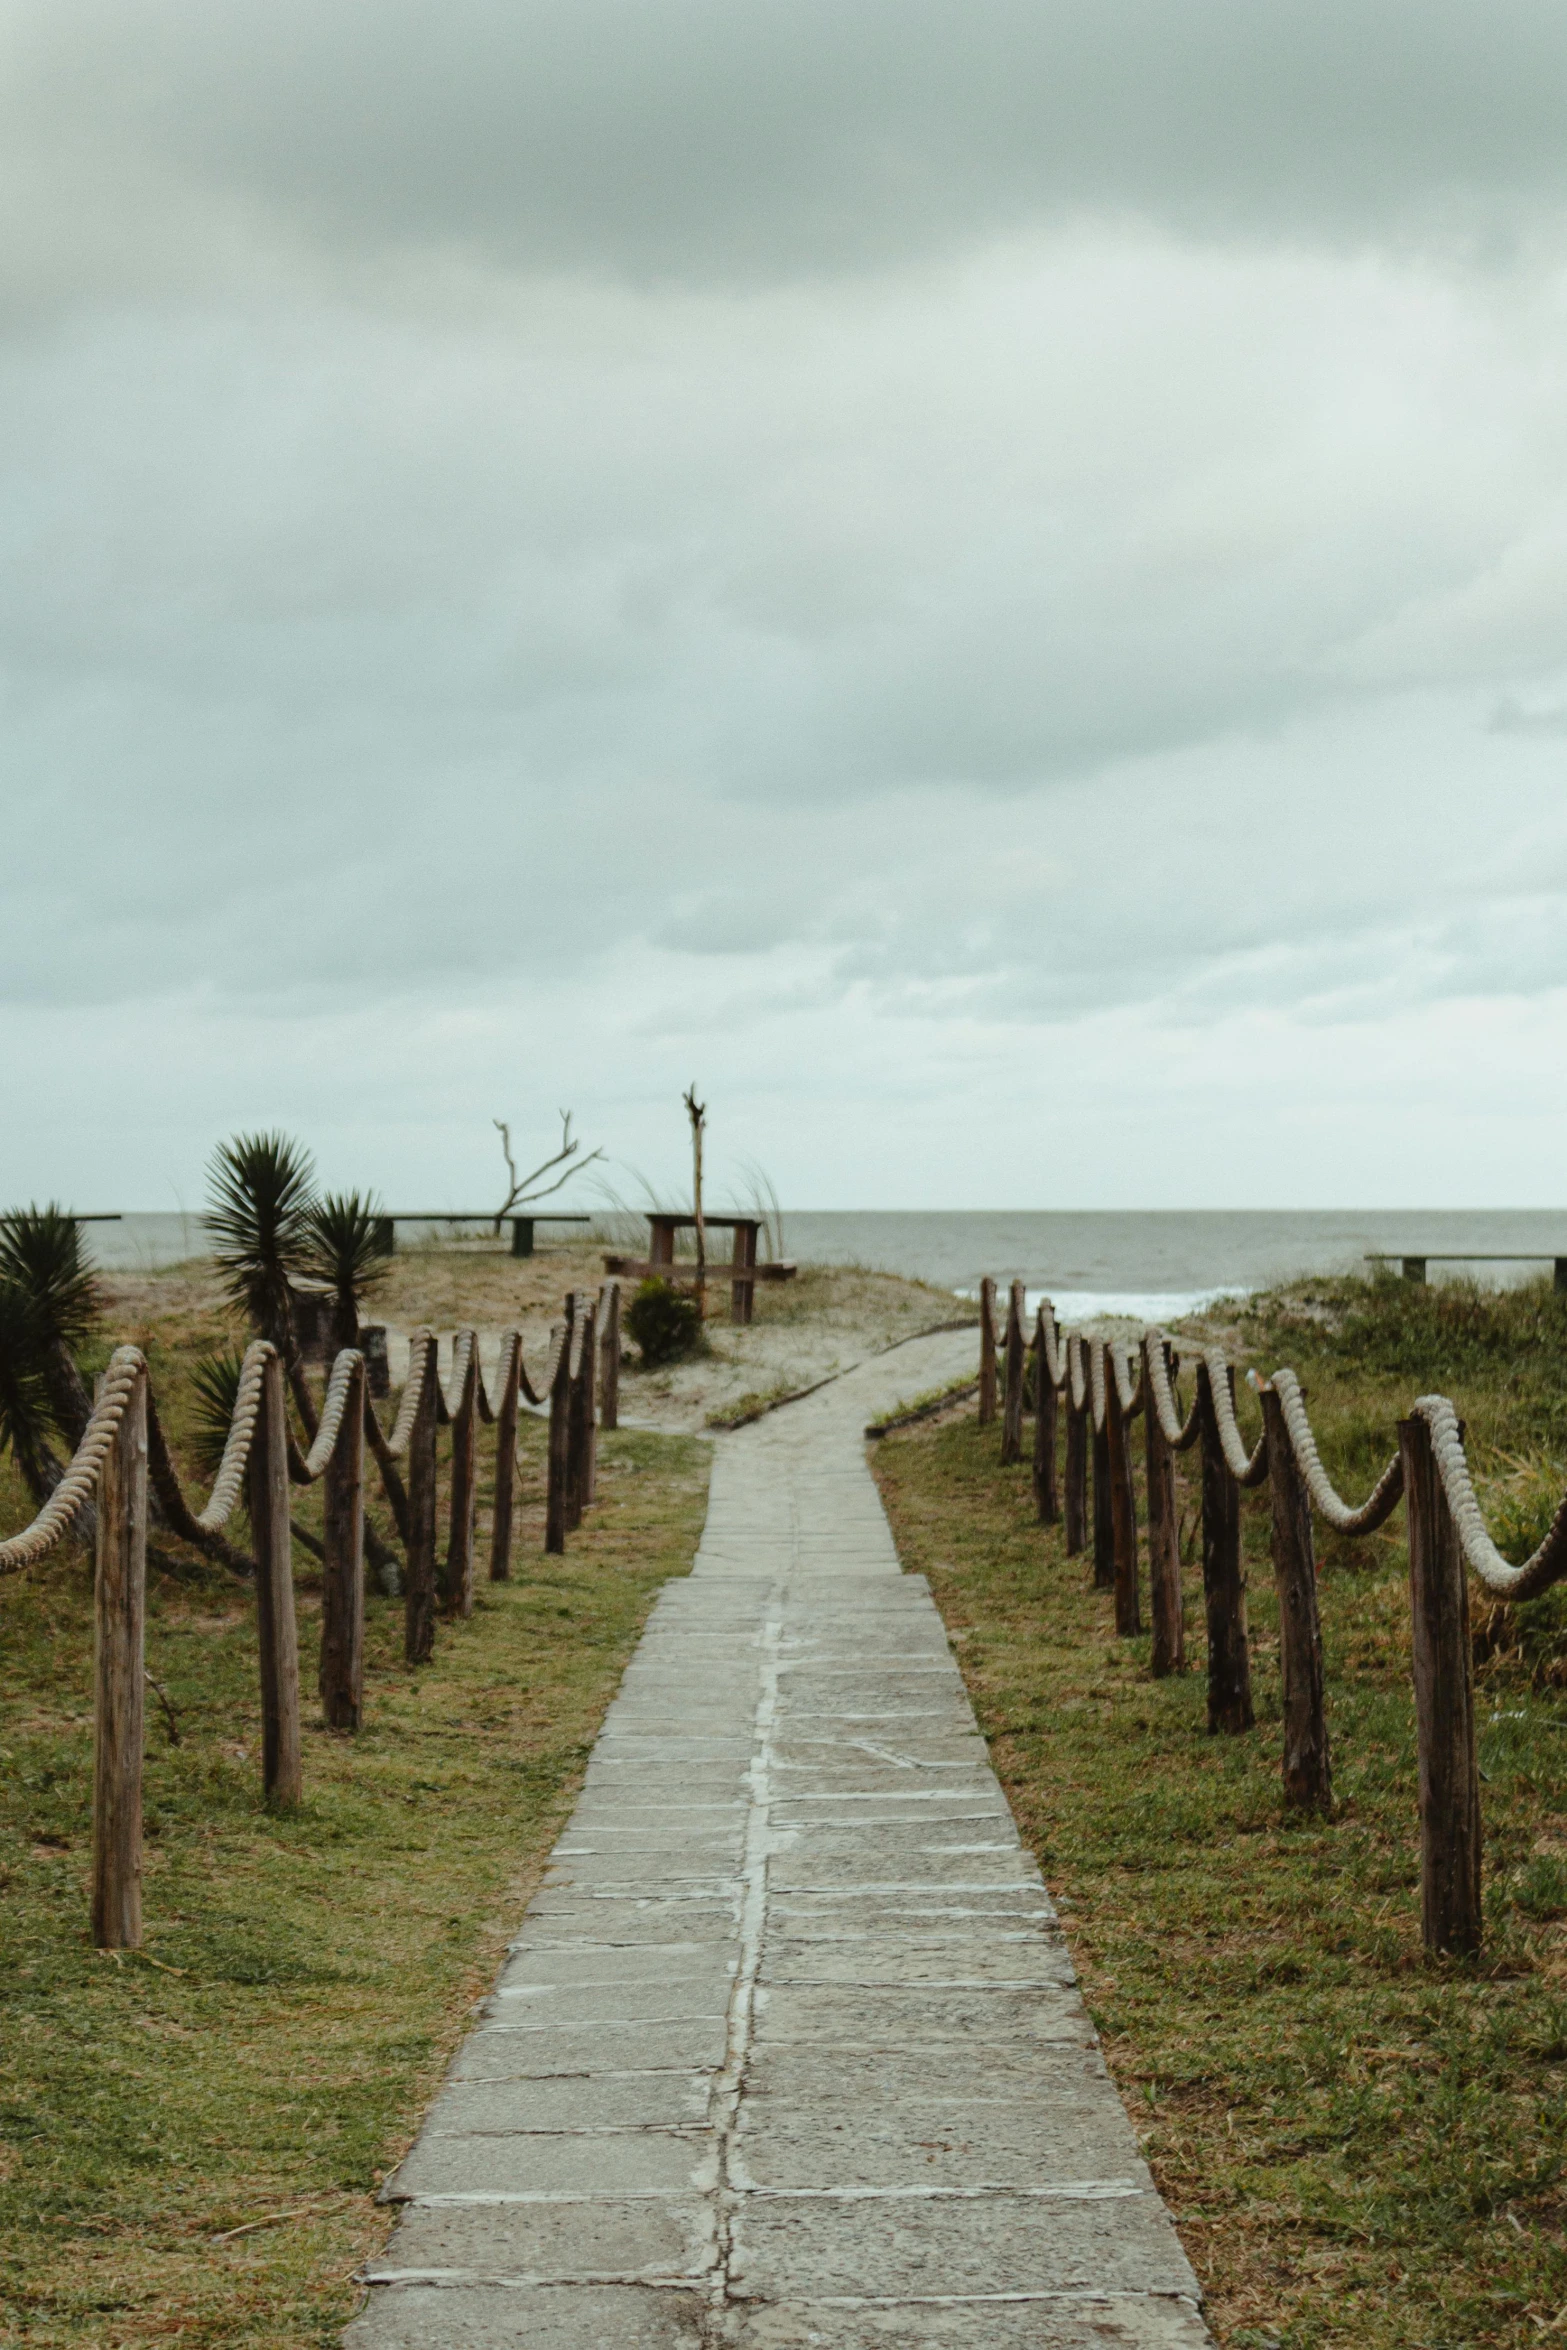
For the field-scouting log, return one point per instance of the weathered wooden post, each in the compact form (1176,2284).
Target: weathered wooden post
(342,1676)
(457,1591)
(987,1351)
(1104,1523)
(419,1595)
(372,1345)
(1078,1422)
(119,1669)
(609,1376)
(1164,1540)
(1450,1899)
(276,1631)
(559,1454)
(589,1401)
(1223,1583)
(1308,1774)
(1123,1506)
(1044,1423)
(581,1314)
(505,1463)
(1016,1365)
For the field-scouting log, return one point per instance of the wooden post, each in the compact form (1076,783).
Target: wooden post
(1223,1583)
(609,1375)
(1450,1910)
(559,1455)
(342,1674)
(1123,1508)
(577,1310)
(276,1632)
(987,1351)
(1308,1775)
(1017,1357)
(1099,1440)
(1078,1423)
(372,1345)
(1164,1544)
(587,1395)
(119,1670)
(1044,1429)
(505,1467)
(419,1591)
(743,1293)
(457,1586)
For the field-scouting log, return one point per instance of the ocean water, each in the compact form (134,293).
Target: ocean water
(1155,1265)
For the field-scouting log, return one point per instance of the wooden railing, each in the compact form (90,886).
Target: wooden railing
(1102,1387)
(123,1457)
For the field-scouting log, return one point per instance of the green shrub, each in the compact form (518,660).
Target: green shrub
(665,1322)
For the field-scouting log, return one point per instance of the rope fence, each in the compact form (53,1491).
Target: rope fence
(123,1455)
(1102,1387)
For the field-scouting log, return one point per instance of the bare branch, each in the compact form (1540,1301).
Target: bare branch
(523,1189)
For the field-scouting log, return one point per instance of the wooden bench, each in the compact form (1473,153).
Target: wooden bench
(1414,1268)
(521,1226)
(742,1272)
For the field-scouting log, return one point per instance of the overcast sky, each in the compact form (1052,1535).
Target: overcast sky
(988,581)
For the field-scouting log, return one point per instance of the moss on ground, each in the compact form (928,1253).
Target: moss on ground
(1362,2147)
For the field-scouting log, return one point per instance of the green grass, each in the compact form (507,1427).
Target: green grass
(304,1979)
(1361,2146)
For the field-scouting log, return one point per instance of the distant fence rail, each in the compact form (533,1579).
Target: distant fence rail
(123,1456)
(1100,1387)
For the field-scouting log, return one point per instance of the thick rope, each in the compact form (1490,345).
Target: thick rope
(59,1513)
(1384,1496)
(1179,1434)
(1247,1468)
(1541,1569)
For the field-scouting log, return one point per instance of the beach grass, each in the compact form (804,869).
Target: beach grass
(1361,2146)
(191,2136)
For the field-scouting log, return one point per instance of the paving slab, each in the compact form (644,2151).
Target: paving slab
(789,2048)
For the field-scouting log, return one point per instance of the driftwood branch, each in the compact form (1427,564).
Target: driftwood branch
(523,1190)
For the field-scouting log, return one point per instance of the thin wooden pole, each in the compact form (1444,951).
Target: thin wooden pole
(987,1351)
(457,1588)
(119,1670)
(609,1375)
(419,1593)
(1164,1544)
(1123,1508)
(1223,1583)
(559,1457)
(505,1467)
(343,1574)
(1044,1429)
(1078,1422)
(1308,1773)
(1450,1838)
(276,1632)
(1016,1363)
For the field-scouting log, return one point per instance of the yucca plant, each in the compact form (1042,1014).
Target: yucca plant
(340,1247)
(42,1262)
(215,1379)
(26,1420)
(260,1189)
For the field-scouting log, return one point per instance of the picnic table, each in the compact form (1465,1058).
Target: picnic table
(742,1271)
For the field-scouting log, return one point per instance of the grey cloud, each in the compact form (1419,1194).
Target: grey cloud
(692,139)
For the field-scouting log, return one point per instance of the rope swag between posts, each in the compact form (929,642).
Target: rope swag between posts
(1101,1387)
(123,1452)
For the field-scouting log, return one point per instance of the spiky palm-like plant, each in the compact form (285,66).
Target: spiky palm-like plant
(215,1379)
(260,1188)
(26,1420)
(42,1262)
(341,1247)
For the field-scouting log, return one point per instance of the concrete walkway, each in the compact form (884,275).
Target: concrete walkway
(788,2050)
